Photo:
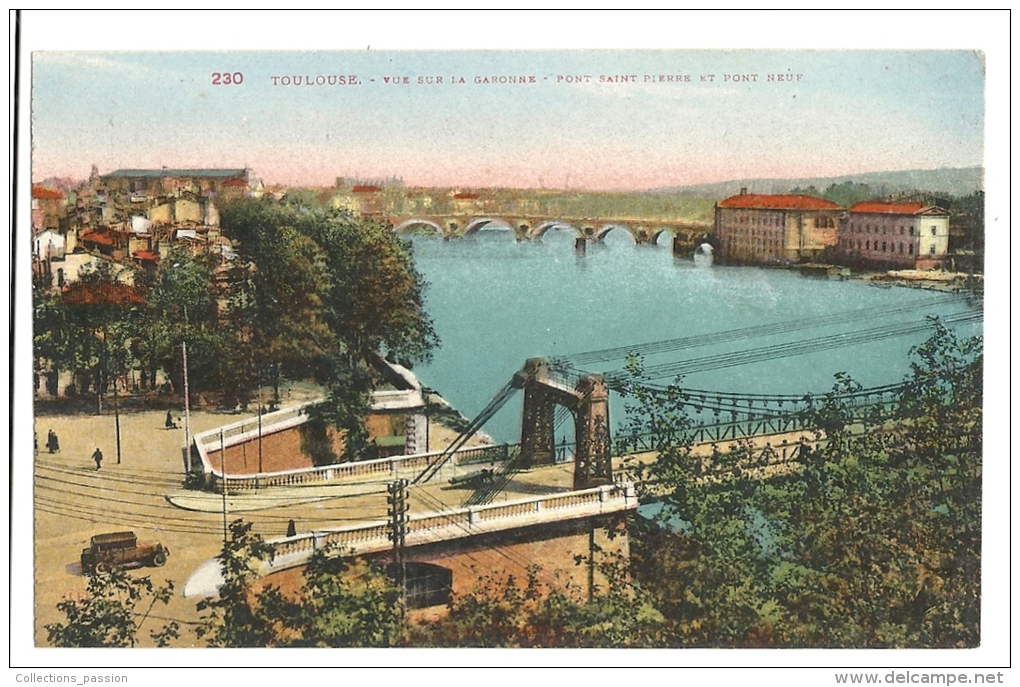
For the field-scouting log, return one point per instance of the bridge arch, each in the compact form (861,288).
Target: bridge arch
(417,221)
(658,233)
(709,238)
(539,230)
(478,223)
(604,230)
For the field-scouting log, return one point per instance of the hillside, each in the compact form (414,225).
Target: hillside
(958,181)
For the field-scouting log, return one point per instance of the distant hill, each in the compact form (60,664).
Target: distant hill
(956,181)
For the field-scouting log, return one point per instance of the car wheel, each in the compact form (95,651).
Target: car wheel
(158,559)
(101,567)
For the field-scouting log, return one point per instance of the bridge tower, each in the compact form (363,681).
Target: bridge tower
(588,401)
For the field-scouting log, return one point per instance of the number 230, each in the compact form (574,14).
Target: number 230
(227,78)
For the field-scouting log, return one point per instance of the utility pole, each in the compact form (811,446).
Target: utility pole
(397,500)
(260,427)
(187,408)
(116,418)
(223,483)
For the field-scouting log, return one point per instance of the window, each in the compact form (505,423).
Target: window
(901,248)
(902,230)
(933,245)
(933,230)
(867,245)
(910,249)
(883,247)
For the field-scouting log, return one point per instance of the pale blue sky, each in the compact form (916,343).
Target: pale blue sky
(852,111)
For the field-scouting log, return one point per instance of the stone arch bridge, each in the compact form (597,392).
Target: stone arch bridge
(686,236)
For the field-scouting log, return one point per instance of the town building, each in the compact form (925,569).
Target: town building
(764,229)
(47,208)
(909,235)
(132,217)
(140,185)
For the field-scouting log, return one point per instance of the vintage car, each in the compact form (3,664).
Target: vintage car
(120,549)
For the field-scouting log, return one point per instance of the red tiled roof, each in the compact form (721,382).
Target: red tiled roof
(764,201)
(887,208)
(112,293)
(366,189)
(465,196)
(146,255)
(48,193)
(96,237)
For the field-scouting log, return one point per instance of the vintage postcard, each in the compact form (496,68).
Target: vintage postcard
(631,348)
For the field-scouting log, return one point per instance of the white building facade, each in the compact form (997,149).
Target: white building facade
(906,235)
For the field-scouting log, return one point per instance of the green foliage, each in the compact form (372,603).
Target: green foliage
(315,440)
(320,290)
(874,542)
(374,296)
(109,613)
(967,223)
(844,194)
(276,285)
(89,329)
(503,611)
(181,306)
(245,613)
(342,603)
(346,603)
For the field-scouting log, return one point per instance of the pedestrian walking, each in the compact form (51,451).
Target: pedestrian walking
(52,442)
(97,456)
(170,424)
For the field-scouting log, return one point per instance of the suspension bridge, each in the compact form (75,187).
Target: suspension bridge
(514,531)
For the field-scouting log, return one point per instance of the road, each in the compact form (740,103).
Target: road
(74,501)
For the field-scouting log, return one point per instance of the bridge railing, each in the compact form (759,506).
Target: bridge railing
(864,406)
(457,523)
(383,468)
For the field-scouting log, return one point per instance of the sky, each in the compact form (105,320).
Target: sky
(593,120)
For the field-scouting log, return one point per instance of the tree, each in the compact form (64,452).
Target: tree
(109,613)
(245,613)
(99,320)
(874,542)
(504,611)
(181,305)
(276,292)
(342,602)
(375,296)
(967,219)
(346,603)
(373,303)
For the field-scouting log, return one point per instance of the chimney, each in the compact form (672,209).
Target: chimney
(743,190)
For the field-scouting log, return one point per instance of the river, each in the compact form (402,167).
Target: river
(496,303)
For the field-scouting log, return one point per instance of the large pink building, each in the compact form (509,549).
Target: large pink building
(909,235)
(756,228)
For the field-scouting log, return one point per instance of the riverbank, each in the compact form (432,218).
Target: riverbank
(930,280)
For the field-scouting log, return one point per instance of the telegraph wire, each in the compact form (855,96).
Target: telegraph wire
(695,341)
(788,349)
